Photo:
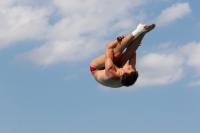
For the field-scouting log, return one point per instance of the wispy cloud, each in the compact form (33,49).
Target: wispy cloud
(173,13)
(196,83)
(22,23)
(80,32)
(167,67)
(159,69)
(191,51)
(70,77)
(4,3)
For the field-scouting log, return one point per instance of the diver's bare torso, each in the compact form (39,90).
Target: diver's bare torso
(101,77)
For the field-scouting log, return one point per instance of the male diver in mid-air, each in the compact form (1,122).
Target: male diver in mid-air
(111,69)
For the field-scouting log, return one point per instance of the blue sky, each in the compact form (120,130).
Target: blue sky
(45,51)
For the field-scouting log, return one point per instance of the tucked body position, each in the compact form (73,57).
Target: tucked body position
(117,67)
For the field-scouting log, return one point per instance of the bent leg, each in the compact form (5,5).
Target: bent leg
(131,49)
(99,62)
(131,43)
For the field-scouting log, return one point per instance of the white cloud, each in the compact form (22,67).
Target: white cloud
(196,83)
(4,3)
(97,7)
(22,23)
(159,69)
(192,54)
(173,13)
(79,33)
(59,51)
(82,30)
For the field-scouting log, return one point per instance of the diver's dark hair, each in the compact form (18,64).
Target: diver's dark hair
(129,79)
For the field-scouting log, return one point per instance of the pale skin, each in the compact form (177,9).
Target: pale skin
(115,60)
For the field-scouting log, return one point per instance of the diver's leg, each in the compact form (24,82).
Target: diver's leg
(99,62)
(125,43)
(131,49)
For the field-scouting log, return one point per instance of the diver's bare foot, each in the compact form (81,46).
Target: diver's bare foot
(149,27)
